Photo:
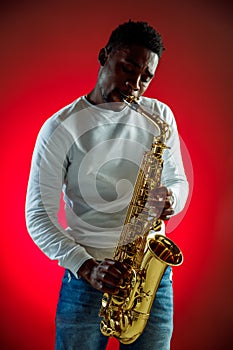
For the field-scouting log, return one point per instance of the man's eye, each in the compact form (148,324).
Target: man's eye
(146,79)
(127,69)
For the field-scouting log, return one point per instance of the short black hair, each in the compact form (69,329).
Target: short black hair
(138,33)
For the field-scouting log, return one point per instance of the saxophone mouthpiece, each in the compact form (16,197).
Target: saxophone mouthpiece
(130,100)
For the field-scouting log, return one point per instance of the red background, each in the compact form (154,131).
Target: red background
(48,58)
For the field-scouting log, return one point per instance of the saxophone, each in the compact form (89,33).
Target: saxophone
(145,252)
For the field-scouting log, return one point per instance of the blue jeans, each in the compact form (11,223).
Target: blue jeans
(77,320)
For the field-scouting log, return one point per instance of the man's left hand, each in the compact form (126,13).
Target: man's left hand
(160,202)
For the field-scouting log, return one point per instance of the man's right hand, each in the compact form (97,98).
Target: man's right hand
(106,276)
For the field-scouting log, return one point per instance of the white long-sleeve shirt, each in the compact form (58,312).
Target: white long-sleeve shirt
(92,154)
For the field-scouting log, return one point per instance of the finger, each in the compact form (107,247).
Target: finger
(159,192)
(166,202)
(166,215)
(170,198)
(168,211)
(157,197)
(109,280)
(105,288)
(158,204)
(109,275)
(102,281)
(161,212)
(155,212)
(115,266)
(107,283)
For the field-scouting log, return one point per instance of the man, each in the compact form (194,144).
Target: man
(92,150)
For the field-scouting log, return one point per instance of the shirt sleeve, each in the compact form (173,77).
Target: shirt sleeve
(47,176)
(173,174)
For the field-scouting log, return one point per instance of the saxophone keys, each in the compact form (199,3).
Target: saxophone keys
(105,300)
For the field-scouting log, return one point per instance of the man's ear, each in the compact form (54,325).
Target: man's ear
(103,55)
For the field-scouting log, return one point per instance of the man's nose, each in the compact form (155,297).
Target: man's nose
(134,83)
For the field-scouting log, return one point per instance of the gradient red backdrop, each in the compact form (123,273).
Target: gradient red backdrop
(48,58)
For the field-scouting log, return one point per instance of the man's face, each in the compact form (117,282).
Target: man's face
(128,71)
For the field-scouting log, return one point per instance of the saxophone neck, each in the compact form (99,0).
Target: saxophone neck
(159,123)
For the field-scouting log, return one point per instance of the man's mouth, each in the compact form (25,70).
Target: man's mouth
(123,95)
(127,97)
(120,96)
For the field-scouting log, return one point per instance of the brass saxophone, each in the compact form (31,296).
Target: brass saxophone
(147,253)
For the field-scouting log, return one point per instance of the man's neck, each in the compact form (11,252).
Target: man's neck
(95,98)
